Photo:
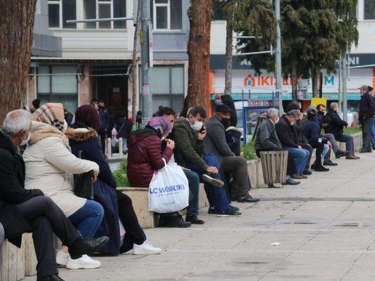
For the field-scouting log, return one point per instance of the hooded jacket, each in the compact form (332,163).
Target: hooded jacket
(145,156)
(50,165)
(12,191)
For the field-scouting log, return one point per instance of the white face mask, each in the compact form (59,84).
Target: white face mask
(197,125)
(24,142)
(292,123)
(277,120)
(65,126)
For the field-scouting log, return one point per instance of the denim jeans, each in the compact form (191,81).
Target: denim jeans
(216,196)
(372,131)
(193,178)
(301,156)
(88,218)
(348,141)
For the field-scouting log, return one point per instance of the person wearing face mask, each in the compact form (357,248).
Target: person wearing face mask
(188,134)
(289,141)
(217,99)
(235,166)
(266,139)
(50,166)
(145,155)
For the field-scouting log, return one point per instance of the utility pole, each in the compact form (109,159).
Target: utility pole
(344,88)
(146,95)
(278,58)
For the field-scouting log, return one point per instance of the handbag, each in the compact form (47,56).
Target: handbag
(169,190)
(83,182)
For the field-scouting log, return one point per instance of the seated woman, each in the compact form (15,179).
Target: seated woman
(49,167)
(146,156)
(83,136)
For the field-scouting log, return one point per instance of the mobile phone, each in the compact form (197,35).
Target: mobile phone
(202,129)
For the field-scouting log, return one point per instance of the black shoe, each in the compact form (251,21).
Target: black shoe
(86,246)
(194,220)
(213,179)
(307,172)
(211,210)
(248,198)
(313,166)
(364,150)
(292,182)
(234,208)
(320,168)
(174,220)
(54,277)
(340,153)
(230,212)
(329,163)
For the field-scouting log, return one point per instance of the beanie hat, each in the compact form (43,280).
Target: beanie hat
(88,116)
(50,113)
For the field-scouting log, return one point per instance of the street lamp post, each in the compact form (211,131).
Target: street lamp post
(278,57)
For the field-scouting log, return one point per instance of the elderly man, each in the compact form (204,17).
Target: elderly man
(289,141)
(266,139)
(23,210)
(336,127)
(366,112)
(215,142)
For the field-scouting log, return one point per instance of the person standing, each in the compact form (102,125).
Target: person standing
(104,118)
(366,112)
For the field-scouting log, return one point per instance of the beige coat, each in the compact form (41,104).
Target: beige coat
(50,165)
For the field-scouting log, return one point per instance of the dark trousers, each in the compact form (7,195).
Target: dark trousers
(318,153)
(310,149)
(103,135)
(129,219)
(366,140)
(46,218)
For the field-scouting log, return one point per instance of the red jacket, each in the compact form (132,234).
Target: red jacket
(141,166)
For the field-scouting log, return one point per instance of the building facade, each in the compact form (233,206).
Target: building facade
(96,58)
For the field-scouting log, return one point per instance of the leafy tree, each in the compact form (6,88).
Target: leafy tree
(314,35)
(16,34)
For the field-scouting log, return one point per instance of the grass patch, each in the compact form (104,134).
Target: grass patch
(121,175)
(352,130)
(249,151)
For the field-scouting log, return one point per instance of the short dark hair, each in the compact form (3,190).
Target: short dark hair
(36,103)
(166,111)
(293,105)
(195,110)
(326,119)
(319,105)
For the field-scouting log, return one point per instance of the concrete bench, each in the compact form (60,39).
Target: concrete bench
(139,196)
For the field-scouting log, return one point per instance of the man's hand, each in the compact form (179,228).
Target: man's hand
(212,170)
(329,144)
(202,134)
(170,143)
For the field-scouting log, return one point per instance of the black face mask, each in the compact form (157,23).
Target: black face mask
(225,122)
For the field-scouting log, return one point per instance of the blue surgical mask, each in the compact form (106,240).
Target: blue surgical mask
(217,102)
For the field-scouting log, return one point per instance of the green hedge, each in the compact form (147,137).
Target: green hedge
(121,175)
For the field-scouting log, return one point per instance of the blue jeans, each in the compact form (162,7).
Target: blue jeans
(348,141)
(300,156)
(216,196)
(372,131)
(88,218)
(325,150)
(193,178)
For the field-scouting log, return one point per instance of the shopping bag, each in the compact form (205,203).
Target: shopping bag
(83,182)
(169,190)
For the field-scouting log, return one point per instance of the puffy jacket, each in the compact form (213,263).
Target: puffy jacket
(336,126)
(145,156)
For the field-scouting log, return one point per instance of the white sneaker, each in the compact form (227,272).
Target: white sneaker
(83,262)
(145,249)
(62,258)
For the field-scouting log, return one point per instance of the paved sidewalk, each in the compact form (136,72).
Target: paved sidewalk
(322,229)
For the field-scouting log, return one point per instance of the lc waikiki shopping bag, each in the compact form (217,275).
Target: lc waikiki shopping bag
(169,190)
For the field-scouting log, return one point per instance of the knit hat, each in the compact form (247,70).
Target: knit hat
(161,123)
(309,108)
(50,113)
(88,116)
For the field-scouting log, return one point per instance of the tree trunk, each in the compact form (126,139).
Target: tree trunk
(199,54)
(228,59)
(293,76)
(315,78)
(16,35)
